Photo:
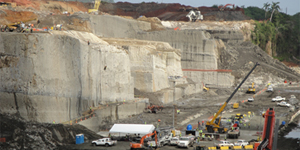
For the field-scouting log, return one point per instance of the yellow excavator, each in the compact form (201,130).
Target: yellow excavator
(15,26)
(215,124)
(251,88)
(96,6)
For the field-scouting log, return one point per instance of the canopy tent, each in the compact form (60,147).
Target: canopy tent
(132,128)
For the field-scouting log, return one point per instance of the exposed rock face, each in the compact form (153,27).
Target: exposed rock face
(151,63)
(54,77)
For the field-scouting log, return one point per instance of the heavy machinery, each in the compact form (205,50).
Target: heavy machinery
(214,124)
(267,135)
(205,88)
(96,6)
(221,8)
(18,26)
(251,89)
(154,108)
(140,145)
(194,15)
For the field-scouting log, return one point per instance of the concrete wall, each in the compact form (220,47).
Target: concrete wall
(47,77)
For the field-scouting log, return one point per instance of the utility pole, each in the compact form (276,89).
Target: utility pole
(174,103)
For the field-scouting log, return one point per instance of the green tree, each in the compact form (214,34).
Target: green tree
(275,9)
(266,8)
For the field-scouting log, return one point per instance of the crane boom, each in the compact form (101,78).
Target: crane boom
(211,123)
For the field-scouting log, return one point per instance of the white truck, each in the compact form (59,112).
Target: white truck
(162,141)
(241,143)
(186,141)
(104,141)
(278,98)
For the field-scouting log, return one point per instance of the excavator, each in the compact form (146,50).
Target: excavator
(15,26)
(154,108)
(96,6)
(135,146)
(215,124)
(251,89)
(221,8)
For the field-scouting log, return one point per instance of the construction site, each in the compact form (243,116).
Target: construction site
(108,71)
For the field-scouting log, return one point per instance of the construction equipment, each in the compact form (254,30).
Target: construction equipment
(194,15)
(267,135)
(251,89)
(154,108)
(236,105)
(18,26)
(221,8)
(141,144)
(205,88)
(214,125)
(96,6)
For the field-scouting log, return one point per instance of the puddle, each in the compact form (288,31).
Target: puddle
(295,133)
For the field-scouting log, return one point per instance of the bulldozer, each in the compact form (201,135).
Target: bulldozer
(251,89)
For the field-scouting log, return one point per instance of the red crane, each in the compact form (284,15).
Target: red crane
(223,7)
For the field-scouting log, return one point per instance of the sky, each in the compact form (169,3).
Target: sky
(290,6)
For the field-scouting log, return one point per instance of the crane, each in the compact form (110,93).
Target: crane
(140,145)
(96,6)
(223,7)
(214,125)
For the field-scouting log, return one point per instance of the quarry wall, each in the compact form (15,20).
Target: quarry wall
(107,115)
(46,77)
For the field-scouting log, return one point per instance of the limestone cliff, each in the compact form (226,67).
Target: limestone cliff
(55,76)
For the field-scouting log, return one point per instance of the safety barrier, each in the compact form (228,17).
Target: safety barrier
(224,147)
(204,70)
(212,148)
(237,147)
(248,147)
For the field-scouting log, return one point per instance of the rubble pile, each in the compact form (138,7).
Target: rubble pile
(21,134)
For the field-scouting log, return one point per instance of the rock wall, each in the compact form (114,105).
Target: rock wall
(151,63)
(199,54)
(46,77)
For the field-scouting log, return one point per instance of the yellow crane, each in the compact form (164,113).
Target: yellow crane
(215,123)
(96,6)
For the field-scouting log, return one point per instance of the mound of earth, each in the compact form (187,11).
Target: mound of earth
(21,134)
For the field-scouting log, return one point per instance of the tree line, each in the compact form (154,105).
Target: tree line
(277,33)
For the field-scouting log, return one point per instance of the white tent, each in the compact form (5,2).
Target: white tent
(132,128)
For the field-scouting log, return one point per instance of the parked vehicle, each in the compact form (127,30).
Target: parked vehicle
(250,99)
(224,143)
(104,141)
(164,140)
(186,141)
(285,104)
(278,98)
(241,143)
(293,96)
(174,141)
(270,89)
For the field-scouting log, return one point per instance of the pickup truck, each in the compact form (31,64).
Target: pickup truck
(186,141)
(224,143)
(285,104)
(104,141)
(241,143)
(166,139)
(278,98)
